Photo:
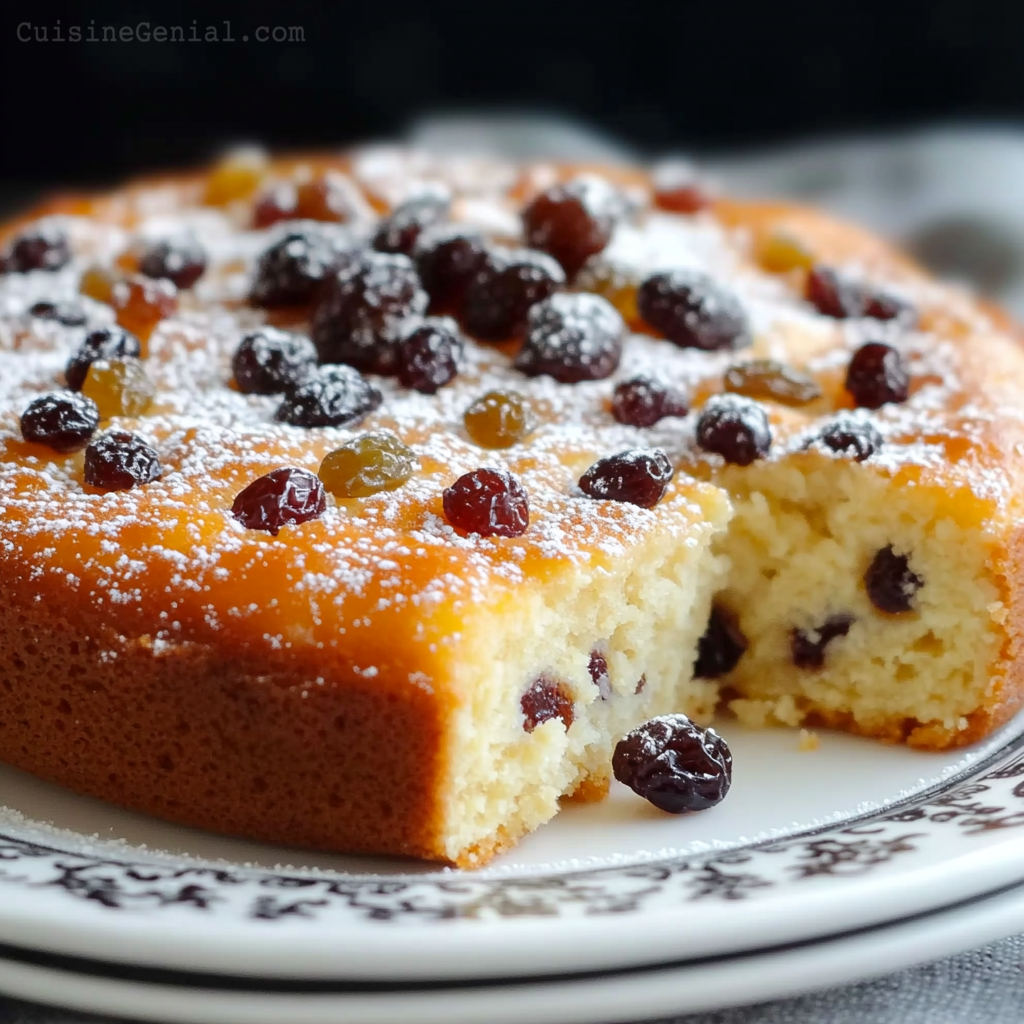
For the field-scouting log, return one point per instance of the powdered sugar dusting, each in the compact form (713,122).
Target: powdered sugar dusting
(168,559)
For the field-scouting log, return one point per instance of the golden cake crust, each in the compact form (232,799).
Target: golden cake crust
(190,680)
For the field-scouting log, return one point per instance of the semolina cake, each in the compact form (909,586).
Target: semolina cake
(365,502)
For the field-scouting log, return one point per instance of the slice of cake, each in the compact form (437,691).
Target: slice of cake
(365,502)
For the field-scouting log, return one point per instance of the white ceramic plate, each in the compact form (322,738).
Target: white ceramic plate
(709,983)
(806,845)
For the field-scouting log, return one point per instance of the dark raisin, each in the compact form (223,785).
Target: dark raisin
(890,582)
(490,502)
(674,764)
(808,646)
(680,188)
(642,402)
(292,271)
(769,380)
(63,421)
(572,338)
(428,356)
(447,259)
(105,343)
(546,699)
(119,461)
(399,231)
(572,221)
(876,376)
(720,648)
(360,320)
(499,297)
(836,296)
(181,260)
(279,202)
(855,438)
(284,497)
(336,396)
(692,311)
(638,476)
(735,428)
(70,314)
(269,361)
(44,247)
(598,667)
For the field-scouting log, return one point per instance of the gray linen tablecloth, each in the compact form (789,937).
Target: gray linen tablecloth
(955,197)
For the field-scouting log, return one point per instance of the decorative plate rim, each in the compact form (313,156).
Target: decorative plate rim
(959,837)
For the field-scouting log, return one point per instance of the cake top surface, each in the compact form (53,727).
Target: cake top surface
(692,290)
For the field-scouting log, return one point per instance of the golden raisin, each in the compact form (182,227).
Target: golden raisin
(237,176)
(142,303)
(611,283)
(779,252)
(324,198)
(119,387)
(768,380)
(373,462)
(98,283)
(499,419)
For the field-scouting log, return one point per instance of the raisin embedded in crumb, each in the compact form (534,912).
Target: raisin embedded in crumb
(63,421)
(642,402)
(44,247)
(720,648)
(674,764)
(638,476)
(572,338)
(447,259)
(360,319)
(292,271)
(119,461)
(769,380)
(498,419)
(119,387)
(181,260)
(375,462)
(284,497)
(428,356)
(680,188)
(735,428)
(572,221)
(855,438)
(808,646)
(105,343)
(876,376)
(546,699)
(890,582)
(598,667)
(835,296)
(499,297)
(336,396)
(400,230)
(692,311)
(269,361)
(490,502)
(70,314)
(142,303)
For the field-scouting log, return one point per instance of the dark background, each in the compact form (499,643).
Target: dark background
(714,75)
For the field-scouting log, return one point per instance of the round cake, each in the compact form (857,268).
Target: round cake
(363,502)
